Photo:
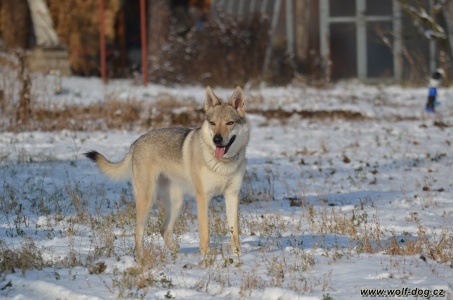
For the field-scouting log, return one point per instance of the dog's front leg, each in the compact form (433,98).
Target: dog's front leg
(203,222)
(232,212)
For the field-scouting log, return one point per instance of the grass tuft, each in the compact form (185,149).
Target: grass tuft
(27,257)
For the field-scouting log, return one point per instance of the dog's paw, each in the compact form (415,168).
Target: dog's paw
(171,243)
(206,262)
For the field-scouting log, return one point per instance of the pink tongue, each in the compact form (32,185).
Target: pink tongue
(219,152)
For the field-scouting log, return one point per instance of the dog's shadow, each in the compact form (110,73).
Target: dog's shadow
(328,242)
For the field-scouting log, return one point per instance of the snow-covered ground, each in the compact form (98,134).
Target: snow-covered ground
(331,206)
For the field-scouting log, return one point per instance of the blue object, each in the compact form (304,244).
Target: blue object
(199,25)
(432,92)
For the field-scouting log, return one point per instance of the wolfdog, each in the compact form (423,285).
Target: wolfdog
(204,162)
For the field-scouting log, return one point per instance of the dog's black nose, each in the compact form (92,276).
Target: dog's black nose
(218,139)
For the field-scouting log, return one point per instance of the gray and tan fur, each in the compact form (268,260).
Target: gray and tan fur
(205,162)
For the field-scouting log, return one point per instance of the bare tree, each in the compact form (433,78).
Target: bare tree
(434,25)
(15,23)
(24,109)
(159,23)
(302,12)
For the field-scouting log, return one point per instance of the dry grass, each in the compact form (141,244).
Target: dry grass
(111,237)
(28,256)
(133,114)
(98,116)
(367,236)
(279,243)
(111,114)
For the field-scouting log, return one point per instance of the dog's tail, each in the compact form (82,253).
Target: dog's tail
(117,171)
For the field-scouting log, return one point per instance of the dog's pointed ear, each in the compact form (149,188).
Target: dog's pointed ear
(237,101)
(211,100)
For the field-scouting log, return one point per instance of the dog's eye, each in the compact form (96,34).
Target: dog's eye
(212,123)
(230,123)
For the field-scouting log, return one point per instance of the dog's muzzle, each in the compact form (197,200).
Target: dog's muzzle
(220,150)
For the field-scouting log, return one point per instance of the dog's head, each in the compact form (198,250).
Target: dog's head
(226,123)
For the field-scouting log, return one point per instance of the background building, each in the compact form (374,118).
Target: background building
(215,41)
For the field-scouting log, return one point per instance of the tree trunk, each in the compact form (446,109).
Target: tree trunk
(302,19)
(24,109)
(448,16)
(15,23)
(159,25)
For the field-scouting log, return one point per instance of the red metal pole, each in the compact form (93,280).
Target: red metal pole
(102,41)
(144,42)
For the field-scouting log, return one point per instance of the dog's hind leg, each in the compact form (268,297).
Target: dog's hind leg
(173,197)
(144,184)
